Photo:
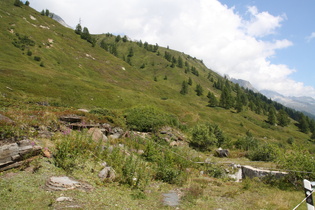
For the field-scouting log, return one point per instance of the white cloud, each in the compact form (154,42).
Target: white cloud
(310,37)
(262,24)
(227,42)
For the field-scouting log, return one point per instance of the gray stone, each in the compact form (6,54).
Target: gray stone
(251,172)
(5,119)
(171,199)
(62,183)
(10,154)
(222,152)
(107,173)
(97,134)
(71,118)
(62,199)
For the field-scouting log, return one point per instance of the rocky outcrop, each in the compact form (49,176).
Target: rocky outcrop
(12,155)
(174,137)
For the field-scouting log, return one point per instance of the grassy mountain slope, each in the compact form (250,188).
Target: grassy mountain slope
(75,74)
(44,63)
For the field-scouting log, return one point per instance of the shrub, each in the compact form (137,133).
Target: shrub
(265,152)
(192,193)
(148,119)
(203,137)
(17,3)
(37,58)
(73,149)
(301,165)
(246,143)
(29,53)
(135,173)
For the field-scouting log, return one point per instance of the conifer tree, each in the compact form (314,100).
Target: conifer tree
(190,81)
(17,3)
(86,35)
(118,38)
(272,115)
(184,89)
(78,29)
(130,53)
(212,100)
(47,12)
(226,100)
(155,48)
(180,62)
(199,90)
(303,124)
(125,39)
(283,118)
(239,104)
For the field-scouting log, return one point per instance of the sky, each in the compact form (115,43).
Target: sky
(270,43)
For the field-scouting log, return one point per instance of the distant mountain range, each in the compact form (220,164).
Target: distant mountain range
(245,84)
(304,104)
(60,20)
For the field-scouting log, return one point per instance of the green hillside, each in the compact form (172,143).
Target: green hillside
(47,70)
(73,73)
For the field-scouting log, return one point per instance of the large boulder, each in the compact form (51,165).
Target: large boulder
(222,152)
(97,134)
(107,173)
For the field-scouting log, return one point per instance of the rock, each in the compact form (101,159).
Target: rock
(71,118)
(83,110)
(140,152)
(174,143)
(5,119)
(115,136)
(251,172)
(116,133)
(171,134)
(47,153)
(80,126)
(107,173)
(171,199)
(62,199)
(62,183)
(97,134)
(11,154)
(222,152)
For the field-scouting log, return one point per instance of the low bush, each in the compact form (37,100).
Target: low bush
(264,152)
(203,137)
(37,58)
(148,119)
(301,165)
(73,149)
(246,143)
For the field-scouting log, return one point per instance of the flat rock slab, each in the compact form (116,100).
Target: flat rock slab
(71,118)
(171,199)
(251,172)
(12,153)
(62,183)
